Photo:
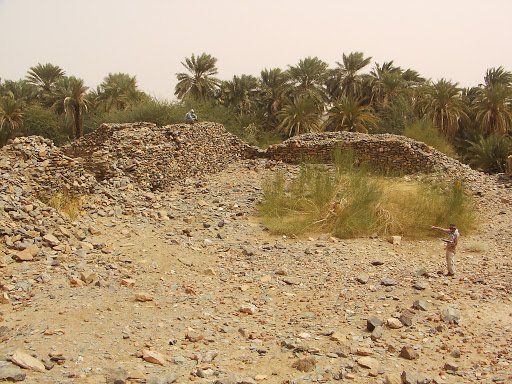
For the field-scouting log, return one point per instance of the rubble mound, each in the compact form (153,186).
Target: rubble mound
(155,157)
(36,164)
(32,169)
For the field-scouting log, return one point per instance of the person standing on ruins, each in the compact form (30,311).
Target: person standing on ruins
(451,245)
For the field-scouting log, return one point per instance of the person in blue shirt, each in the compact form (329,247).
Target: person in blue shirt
(190,117)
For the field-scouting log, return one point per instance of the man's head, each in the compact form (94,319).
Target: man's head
(452,227)
(192,111)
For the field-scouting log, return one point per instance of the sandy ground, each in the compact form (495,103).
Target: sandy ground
(219,298)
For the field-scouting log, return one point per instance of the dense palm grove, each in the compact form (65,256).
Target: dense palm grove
(474,124)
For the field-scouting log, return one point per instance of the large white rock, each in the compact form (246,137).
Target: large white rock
(24,360)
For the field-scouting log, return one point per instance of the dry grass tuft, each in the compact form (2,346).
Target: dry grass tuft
(66,203)
(353,202)
(475,246)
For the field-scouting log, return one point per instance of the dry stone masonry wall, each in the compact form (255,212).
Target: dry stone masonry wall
(36,163)
(154,157)
(385,151)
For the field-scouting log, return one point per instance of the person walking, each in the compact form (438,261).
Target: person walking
(451,246)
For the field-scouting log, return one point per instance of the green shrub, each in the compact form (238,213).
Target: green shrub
(490,153)
(347,201)
(41,121)
(425,132)
(151,111)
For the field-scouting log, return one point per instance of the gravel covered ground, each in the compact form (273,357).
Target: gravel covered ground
(187,285)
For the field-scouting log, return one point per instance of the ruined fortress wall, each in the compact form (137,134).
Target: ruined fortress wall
(387,152)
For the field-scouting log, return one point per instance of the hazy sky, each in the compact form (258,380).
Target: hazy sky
(455,39)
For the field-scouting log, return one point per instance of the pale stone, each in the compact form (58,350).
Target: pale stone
(394,323)
(51,239)
(142,297)
(266,279)
(93,230)
(368,362)
(76,282)
(88,277)
(128,282)
(24,360)
(11,373)
(86,245)
(248,308)
(27,254)
(4,298)
(153,357)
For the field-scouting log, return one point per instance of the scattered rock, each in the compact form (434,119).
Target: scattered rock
(143,297)
(421,305)
(406,318)
(450,315)
(373,322)
(24,360)
(388,282)
(248,308)
(393,323)
(377,333)
(153,357)
(116,375)
(408,353)
(362,278)
(11,373)
(368,362)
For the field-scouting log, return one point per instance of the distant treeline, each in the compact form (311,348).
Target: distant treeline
(473,124)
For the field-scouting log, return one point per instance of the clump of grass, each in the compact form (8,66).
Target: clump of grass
(66,203)
(475,247)
(347,201)
(425,132)
(413,206)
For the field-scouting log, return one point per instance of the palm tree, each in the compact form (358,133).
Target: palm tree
(444,105)
(199,82)
(299,115)
(44,77)
(383,82)
(496,76)
(273,88)
(117,91)
(11,114)
(70,98)
(345,80)
(349,114)
(20,90)
(493,109)
(308,77)
(412,77)
(240,93)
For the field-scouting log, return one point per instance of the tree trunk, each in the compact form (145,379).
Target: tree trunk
(78,122)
